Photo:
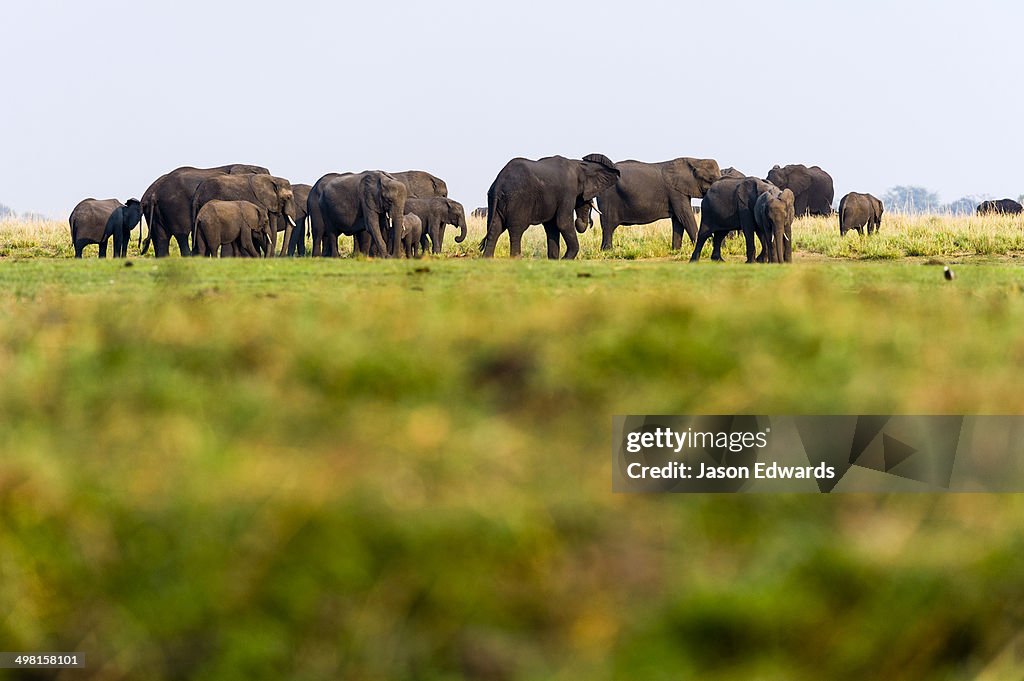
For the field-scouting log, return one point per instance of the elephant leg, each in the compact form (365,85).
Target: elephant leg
(607,233)
(515,242)
(440,239)
(698,246)
(554,236)
(103,247)
(80,245)
(182,240)
(716,246)
(567,230)
(682,221)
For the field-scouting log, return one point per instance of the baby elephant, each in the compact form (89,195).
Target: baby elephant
(94,221)
(232,224)
(857,211)
(412,234)
(774,213)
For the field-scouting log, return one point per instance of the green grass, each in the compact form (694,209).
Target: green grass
(297,469)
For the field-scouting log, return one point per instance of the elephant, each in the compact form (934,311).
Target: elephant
(812,187)
(730,204)
(421,184)
(646,192)
(232,223)
(296,245)
(436,214)
(774,213)
(1002,206)
(167,204)
(273,194)
(94,221)
(731,172)
(348,203)
(857,211)
(480,212)
(412,235)
(545,192)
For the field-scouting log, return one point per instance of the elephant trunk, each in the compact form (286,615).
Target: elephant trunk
(584,219)
(462,229)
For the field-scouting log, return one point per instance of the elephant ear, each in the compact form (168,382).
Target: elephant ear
(790,200)
(369,192)
(597,173)
(264,190)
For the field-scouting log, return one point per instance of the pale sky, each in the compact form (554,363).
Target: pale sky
(100,98)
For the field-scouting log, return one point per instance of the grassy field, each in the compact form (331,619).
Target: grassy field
(297,469)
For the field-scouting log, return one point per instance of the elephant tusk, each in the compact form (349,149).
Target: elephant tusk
(593,205)
(290,221)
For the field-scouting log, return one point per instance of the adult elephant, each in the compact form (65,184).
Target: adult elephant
(545,192)
(436,214)
(646,192)
(811,187)
(272,194)
(734,174)
(480,212)
(349,203)
(1002,206)
(421,184)
(296,245)
(773,215)
(167,204)
(95,221)
(730,204)
(859,211)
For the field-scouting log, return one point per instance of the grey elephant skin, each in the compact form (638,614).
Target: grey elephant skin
(734,174)
(350,203)
(729,205)
(412,235)
(774,213)
(167,204)
(480,212)
(436,214)
(545,192)
(273,194)
(647,192)
(812,187)
(238,224)
(1002,206)
(421,184)
(95,221)
(860,211)
(296,245)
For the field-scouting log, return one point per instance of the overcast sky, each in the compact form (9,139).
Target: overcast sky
(102,97)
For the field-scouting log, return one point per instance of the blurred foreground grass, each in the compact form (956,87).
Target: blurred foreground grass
(401,470)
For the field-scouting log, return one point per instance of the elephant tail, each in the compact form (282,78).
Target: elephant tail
(495,224)
(150,214)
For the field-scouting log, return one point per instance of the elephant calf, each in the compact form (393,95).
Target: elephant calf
(232,224)
(412,233)
(774,213)
(857,211)
(94,221)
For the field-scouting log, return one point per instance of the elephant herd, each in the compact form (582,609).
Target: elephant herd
(238,210)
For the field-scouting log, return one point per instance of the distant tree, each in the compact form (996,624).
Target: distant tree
(965,205)
(906,199)
(1020,199)
(5,212)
